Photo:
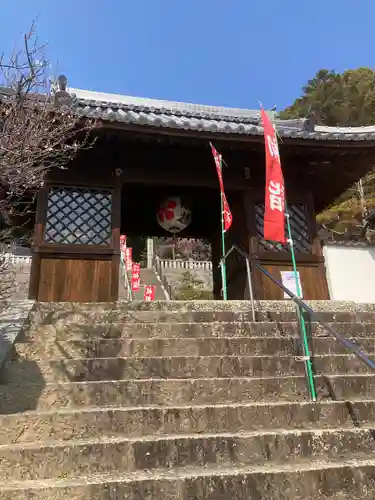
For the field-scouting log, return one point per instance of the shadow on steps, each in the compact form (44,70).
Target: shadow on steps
(21,384)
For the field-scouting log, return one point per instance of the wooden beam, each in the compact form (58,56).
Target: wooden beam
(180,177)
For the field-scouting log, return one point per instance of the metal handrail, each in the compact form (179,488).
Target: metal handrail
(314,315)
(248,272)
(128,286)
(124,273)
(168,291)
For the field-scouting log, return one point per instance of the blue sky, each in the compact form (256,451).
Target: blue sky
(224,52)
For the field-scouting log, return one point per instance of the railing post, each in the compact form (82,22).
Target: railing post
(250,284)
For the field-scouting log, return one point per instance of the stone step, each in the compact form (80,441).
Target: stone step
(79,331)
(137,422)
(92,316)
(23,396)
(189,346)
(328,480)
(188,367)
(45,308)
(32,461)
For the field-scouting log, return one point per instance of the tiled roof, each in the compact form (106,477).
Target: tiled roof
(203,118)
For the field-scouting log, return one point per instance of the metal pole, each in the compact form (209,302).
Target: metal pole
(223,264)
(248,271)
(306,350)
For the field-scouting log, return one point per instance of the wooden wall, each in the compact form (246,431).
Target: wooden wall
(77,272)
(310,265)
(312,276)
(244,234)
(75,279)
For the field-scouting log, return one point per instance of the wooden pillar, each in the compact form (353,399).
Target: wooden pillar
(216,256)
(38,241)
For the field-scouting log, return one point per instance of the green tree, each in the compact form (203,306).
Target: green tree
(191,288)
(346,99)
(342,99)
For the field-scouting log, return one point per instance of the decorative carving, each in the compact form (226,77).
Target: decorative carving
(298,224)
(79,216)
(61,96)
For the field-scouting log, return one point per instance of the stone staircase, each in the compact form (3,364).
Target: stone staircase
(148,277)
(185,401)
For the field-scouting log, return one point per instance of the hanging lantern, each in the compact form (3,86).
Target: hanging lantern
(173,215)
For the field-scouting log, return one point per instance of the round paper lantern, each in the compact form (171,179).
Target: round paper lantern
(173,215)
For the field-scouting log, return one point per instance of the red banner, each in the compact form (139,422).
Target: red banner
(274,210)
(136,277)
(128,258)
(149,293)
(227,215)
(122,241)
(123,247)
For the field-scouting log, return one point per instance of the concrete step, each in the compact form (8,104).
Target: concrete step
(148,277)
(263,306)
(61,317)
(31,461)
(326,480)
(187,367)
(22,396)
(79,331)
(159,347)
(89,423)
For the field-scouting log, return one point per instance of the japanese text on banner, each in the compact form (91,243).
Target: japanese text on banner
(274,210)
(128,258)
(136,277)
(123,247)
(149,293)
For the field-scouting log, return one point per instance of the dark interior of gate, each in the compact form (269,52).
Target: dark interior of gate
(117,186)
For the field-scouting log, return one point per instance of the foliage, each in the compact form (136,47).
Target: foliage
(183,248)
(191,288)
(37,132)
(342,99)
(346,99)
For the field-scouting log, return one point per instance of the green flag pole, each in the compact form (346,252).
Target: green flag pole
(223,264)
(306,350)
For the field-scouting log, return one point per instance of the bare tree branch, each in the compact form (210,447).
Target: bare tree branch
(40,129)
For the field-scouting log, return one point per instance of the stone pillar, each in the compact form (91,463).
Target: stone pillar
(150,252)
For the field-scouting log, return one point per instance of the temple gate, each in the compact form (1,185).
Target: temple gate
(148,149)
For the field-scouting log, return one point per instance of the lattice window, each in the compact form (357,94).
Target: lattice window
(298,224)
(79,216)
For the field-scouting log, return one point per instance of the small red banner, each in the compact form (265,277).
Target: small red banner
(274,211)
(128,258)
(149,293)
(136,276)
(123,247)
(227,215)
(122,242)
